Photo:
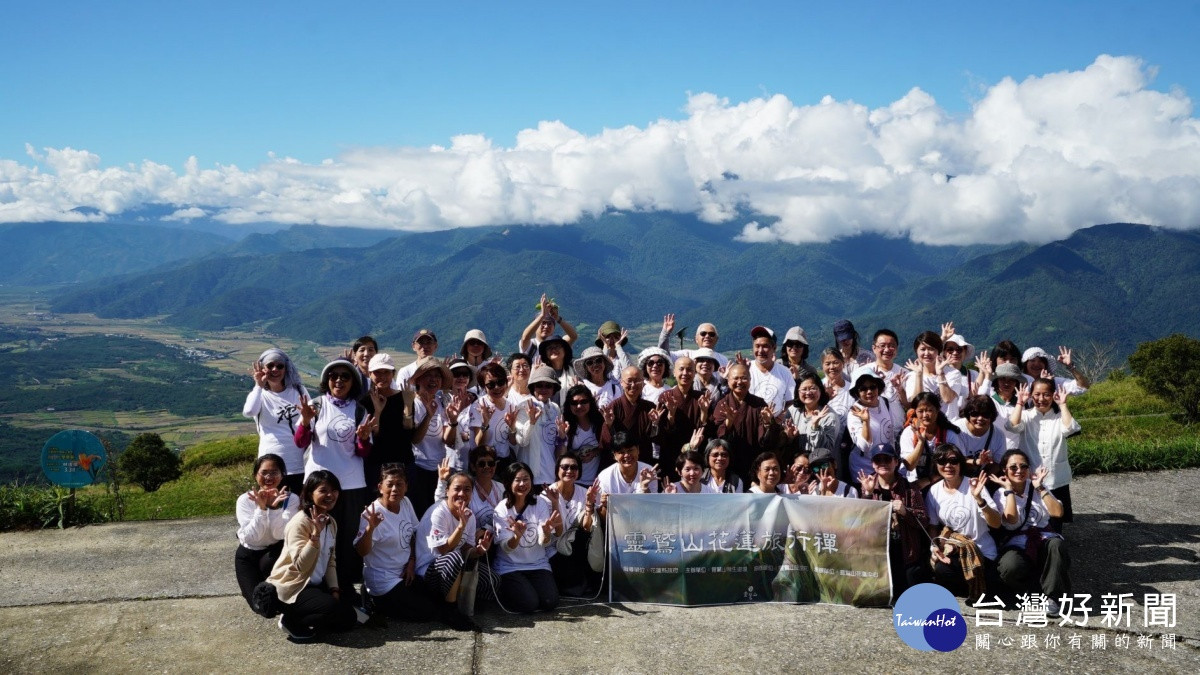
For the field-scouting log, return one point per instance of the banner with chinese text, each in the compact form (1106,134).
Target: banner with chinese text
(721,549)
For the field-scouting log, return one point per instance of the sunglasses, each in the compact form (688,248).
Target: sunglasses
(707,333)
(568,467)
(597,361)
(803,468)
(1019,467)
(495,384)
(947,461)
(580,401)
(821,467)
(340,376)
(275,366)
(485,463)
(656,363)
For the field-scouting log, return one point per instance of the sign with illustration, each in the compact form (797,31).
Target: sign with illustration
(719,549)
(73,458)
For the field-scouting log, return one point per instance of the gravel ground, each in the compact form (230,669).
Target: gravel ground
(160,596)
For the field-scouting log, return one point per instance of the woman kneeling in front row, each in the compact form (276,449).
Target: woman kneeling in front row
(527,525)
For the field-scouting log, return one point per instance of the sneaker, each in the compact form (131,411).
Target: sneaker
(296,633)
(1053,609)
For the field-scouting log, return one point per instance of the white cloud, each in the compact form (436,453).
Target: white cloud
(1033,160)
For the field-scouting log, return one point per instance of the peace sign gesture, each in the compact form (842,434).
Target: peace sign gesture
(308,411)
(534,412)
(259,372)
(368,425)
(609,416)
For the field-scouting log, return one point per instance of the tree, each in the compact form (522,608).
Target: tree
(1096,360)
(1170,368)
(149,462)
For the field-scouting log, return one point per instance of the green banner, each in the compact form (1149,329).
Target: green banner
(722,549)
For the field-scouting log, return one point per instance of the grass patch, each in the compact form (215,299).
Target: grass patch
(225,452)
(207,491)
(1118,397)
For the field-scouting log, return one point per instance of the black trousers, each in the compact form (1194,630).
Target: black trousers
(345,513)
(408,603)
(316,607)
(528,591)
(253,567)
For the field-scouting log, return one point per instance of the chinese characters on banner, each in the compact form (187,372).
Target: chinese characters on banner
(719,549)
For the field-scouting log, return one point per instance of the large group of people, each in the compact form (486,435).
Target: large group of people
(474,478)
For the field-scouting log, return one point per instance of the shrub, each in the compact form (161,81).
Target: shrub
(225,452)
(149,462)
(32,507)
(1170,368)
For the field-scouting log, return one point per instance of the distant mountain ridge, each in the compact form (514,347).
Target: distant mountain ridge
(1116,283)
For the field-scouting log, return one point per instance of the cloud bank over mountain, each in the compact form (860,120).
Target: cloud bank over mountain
(1033,160)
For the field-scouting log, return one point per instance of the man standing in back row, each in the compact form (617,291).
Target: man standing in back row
(706,338)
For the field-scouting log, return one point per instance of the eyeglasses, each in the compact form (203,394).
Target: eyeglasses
(495,384)
(886,347)
(270,472)
(947,461)
(568,467)
(340,376)
(579,401)
(485,463)
(1019,467)
(707,333)
(275,366)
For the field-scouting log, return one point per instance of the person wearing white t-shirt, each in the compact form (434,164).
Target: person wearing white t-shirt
(493,420)
(424,345)
(931,371)
(837,381)
(690,467)
(1031,556)
(386,540)
(706,338)
(826,483)
(960,514)
(627,475)
(979,437)
(273,404)
(886,346)
(526,525)
(871,421)
(655,364)
(595,370)
(449,543)
(769,380)
(1037,363)
(540,429)
(584,424)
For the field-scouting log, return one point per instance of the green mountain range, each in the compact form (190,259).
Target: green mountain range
(1117,283)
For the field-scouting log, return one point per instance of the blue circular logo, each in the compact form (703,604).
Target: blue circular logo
(73,458)
(926,617)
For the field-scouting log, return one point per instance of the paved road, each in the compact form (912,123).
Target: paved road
(136,597)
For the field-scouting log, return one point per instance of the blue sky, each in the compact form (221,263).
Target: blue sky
(230,81)
(89,86)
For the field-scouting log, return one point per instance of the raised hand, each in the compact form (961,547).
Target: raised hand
(977,484)
(1038,477)
(260,375)
(1023,394)
(483,543)
(607,413)
(535,412)
(898,382)
(1002,480)
(281,496)
(378,400)
(789,428)
(562,426)
(940,363)
(1060,395)
(867,481)
(740,360)
(365,429)
(984,458)
(947,330)
(828,480)
(319,523)
(1046,374)
(913,366)
(465,517)
(984,365)
(308,411)
(517,527)
(551,493)
(767,415)
(697,440)
(510,416)
(554,523)
(861,413)
(669,488)
(648,474)
(444,470)
(668,323)
(1064,356)
(544,306)
(593,494)
(374,516)
(263,497)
